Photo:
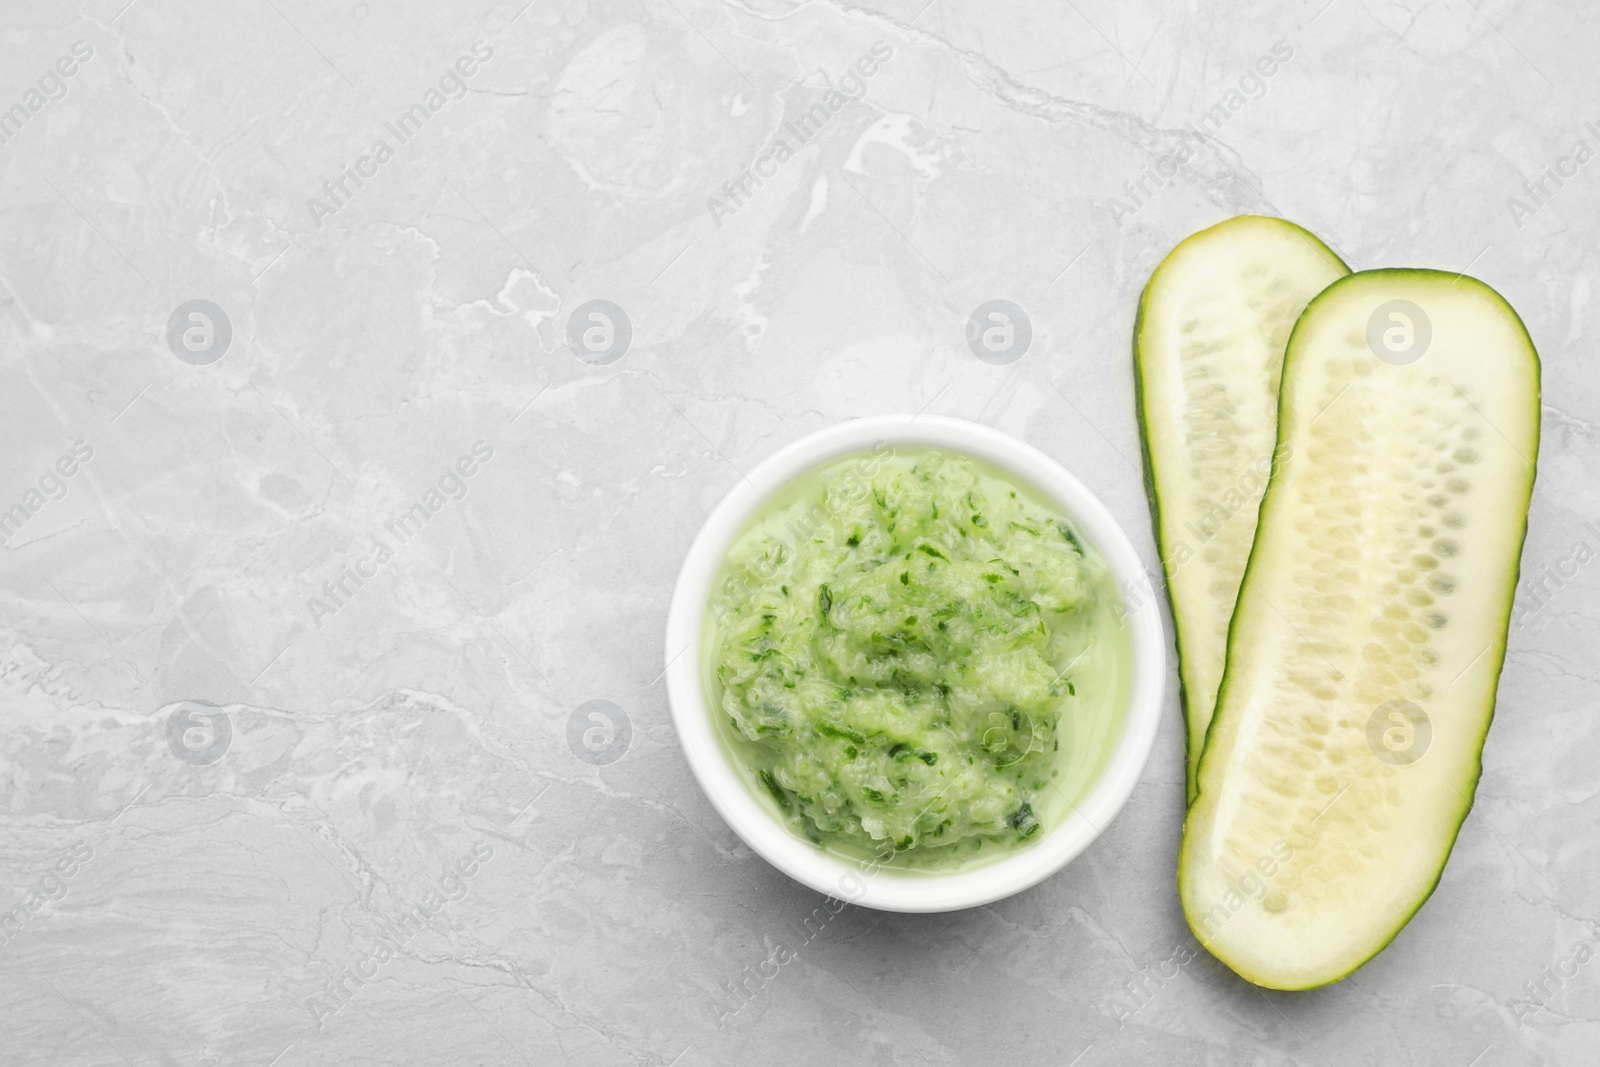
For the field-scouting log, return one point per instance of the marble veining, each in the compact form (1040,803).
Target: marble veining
(369,367)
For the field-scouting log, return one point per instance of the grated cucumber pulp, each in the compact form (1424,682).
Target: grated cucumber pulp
(914,657)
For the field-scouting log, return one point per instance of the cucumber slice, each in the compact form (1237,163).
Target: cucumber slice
(1208,346)
(1367,643)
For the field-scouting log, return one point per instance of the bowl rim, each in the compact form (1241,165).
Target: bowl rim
(855,881)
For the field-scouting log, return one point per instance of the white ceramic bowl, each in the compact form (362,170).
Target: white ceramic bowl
(886,889)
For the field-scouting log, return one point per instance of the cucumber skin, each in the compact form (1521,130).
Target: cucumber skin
(1471,791)
(1191,762)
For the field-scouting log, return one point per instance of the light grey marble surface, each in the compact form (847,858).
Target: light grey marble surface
(193,891)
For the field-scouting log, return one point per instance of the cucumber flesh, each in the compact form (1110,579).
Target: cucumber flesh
(1366,647)
(1208,347)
